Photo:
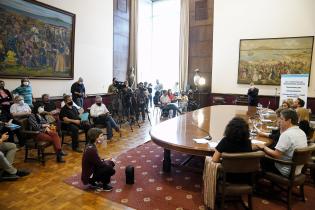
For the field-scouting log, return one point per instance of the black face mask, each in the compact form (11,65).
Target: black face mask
(99,104)
(70,103)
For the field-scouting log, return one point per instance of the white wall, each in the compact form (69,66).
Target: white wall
(249,19)
(93,53)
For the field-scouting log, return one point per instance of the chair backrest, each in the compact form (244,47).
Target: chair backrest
(245,162)
(302,155)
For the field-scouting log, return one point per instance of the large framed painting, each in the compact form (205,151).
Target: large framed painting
(262,61)
(36,40)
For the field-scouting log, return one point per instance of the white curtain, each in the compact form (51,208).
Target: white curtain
(133,39)
(183,44)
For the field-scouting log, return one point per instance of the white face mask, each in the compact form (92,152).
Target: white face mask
(21,102)
(25,83)
(40,110)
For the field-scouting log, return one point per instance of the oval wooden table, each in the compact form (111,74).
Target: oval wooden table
(178,133)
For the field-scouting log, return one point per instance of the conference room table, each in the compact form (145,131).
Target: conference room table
(178,133)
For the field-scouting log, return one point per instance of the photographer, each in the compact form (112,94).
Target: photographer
(112,88)
(141,100)
(127,100)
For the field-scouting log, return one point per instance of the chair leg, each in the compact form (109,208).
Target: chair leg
(250,204)
(222,201)
(302,192)
(289,198)
(26,154)
(38,155)
(62,138)
(42,151)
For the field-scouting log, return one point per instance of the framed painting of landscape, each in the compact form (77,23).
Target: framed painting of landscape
(262,61)
(36,40)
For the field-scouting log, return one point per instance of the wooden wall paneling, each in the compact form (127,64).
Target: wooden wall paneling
(200,40)
(121,38)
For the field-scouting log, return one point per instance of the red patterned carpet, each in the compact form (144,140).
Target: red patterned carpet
(177,190)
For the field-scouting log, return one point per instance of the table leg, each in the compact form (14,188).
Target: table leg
(167,161)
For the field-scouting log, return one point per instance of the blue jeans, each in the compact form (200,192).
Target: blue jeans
(109,122)
(79,102)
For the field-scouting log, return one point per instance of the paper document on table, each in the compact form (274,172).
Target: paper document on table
(255,141)
(201,141)
(213,144)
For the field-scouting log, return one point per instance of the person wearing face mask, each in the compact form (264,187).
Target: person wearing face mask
(37,122)
(25,90)
(69,115)
(101,115)
(252,95)
(5,98)
(20,109)
(78,92)
(94,169)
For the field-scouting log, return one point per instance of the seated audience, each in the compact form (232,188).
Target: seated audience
(25,90)
(236,139)
(80,109)
(167,105)
(7,155)
(48,109)
(69,115)
(275,133)
(183,103)
(291,138)
(304,125)
(5,127)
(284,105)
(171,95)
(20,109)
(37,122)
(94,169)
(101,115)
(5,99)
(303,113)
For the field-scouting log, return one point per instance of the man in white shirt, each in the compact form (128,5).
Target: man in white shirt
(101,115)
(291,138)
(20,109)
(166,104)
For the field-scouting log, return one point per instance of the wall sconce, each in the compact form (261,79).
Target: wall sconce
(198,80)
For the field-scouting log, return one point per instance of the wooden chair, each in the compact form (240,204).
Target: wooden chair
(65,132)
(239,163)
(300,157)
(31,143)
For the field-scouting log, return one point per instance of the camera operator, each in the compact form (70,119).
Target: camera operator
(127,100)
(112,88)
(141,96)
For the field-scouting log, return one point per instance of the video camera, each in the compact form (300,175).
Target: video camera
(119,85)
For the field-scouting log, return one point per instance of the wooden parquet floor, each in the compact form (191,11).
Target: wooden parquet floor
(44,187)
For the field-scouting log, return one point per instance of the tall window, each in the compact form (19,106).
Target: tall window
(158,41)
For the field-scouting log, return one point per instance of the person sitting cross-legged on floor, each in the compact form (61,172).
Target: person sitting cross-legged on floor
(7,155)
(94,169)
(72,122)
(37,122)
(167,105)
(101,115)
